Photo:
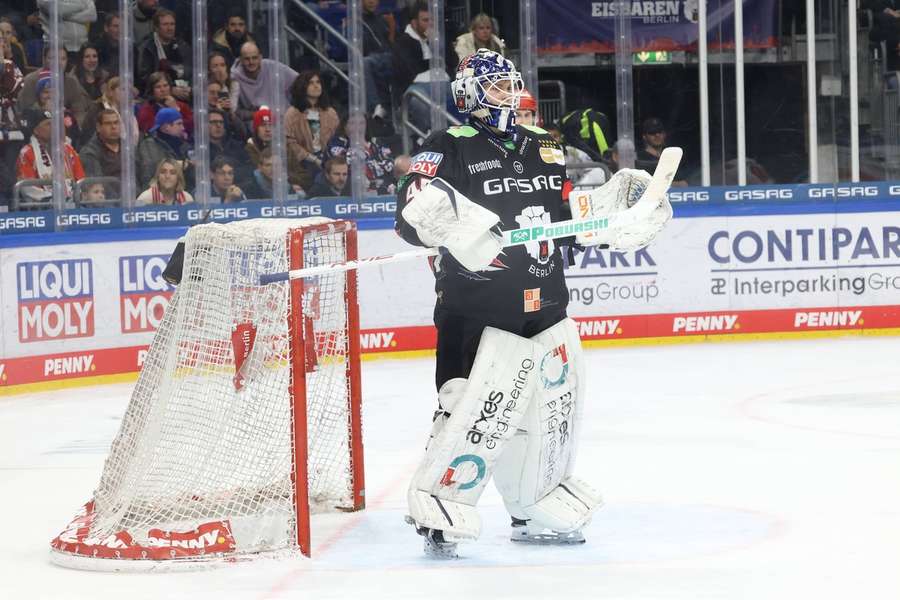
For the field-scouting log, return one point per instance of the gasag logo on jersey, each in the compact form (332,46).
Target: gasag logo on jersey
(500,185)
(56,299)
(426,163)
(143,293)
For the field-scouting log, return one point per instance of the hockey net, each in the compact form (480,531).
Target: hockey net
(245,416)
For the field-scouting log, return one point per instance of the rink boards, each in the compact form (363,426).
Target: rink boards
(84,305)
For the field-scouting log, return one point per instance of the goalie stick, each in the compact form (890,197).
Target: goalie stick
(649,200)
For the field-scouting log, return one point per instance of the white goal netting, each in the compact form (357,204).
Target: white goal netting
(204,462)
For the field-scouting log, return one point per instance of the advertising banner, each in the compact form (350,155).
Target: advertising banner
(578,26)
(91,308)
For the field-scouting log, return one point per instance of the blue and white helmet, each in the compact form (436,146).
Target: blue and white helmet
(489,88)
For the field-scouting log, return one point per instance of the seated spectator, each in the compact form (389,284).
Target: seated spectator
(74,96)
(229,39)
(310,122)
(142,19)
(378,159)
(255,75)
(108,44)
(221,144)
(163,51)
(12,138)
(481,35)
(93,194)
(159,95)
(229,89)
(89,73)
(262,140)
(108,100)
(36,159)
(377,61)
(217,99)
(260,185)
(166,140)
(411,69)
(335,181)
(222,189)
(101,156)
(75,16)
(166,186)
(13,49)
(45,103)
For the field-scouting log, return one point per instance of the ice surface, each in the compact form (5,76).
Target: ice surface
(758,471)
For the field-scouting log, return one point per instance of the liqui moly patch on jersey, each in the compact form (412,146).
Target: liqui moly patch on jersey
(56,299)
(143,293)
(426,163)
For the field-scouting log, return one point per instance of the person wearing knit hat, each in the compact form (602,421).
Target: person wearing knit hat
(263,116)
(35,160)
(34,118)
(166,140)
(45,103)
(261,139)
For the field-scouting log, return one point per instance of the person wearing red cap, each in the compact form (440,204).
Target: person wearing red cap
(262,139)
(527,113)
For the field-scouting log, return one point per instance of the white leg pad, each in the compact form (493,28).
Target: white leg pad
(568,506)
(458,521)
(534,475)
(461,456)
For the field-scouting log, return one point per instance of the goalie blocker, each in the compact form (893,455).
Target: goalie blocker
(516,417)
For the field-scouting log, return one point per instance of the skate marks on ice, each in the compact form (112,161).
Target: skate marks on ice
(626,532)
(844,409)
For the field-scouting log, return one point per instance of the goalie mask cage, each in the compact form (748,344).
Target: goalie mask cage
(246,414)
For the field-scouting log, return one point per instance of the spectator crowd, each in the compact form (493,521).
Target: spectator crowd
(241,88)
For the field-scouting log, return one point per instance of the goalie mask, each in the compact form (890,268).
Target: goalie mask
(489,88)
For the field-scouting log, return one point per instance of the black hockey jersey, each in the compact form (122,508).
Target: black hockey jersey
(520,180)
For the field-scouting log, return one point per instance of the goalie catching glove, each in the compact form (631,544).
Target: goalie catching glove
(617,195)
(443,217)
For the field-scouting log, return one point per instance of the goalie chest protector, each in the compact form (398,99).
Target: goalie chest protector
(522,182)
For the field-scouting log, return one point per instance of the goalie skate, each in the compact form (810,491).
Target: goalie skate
(435,544)
(526,533)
